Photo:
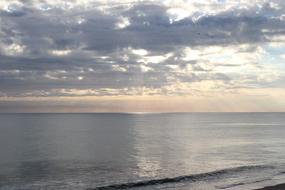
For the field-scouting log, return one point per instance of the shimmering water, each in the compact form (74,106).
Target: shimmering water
(142,151)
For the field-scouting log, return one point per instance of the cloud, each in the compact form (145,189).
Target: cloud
(102,48)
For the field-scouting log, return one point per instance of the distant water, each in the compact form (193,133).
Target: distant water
(205,151)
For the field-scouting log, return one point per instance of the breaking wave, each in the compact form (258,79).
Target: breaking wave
(184,178)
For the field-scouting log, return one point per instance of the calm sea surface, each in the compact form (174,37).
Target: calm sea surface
(205,151)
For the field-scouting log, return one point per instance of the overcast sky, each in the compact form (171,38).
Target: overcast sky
(139,55)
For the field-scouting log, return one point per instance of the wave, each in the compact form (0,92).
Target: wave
(243,183)
(188,178)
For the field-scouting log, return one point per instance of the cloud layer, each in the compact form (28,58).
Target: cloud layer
(171,47)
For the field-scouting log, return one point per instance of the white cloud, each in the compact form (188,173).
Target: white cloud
(60,52)
(119,68)
(176,14)
(14,49)
(122,23)
(80,77)
(155,58)
(190,54)
(141,52)
(145,68)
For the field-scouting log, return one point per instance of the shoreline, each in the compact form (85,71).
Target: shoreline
(275,187)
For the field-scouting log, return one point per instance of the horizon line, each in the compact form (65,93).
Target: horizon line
(141,113)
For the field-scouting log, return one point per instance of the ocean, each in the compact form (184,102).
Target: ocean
(199,151)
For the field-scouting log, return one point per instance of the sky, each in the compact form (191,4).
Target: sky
(142,55)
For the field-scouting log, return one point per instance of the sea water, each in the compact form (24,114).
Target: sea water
(200,151)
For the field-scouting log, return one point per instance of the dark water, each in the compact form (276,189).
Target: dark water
(142,151)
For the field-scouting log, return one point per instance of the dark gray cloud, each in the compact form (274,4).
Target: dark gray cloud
(45,46)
